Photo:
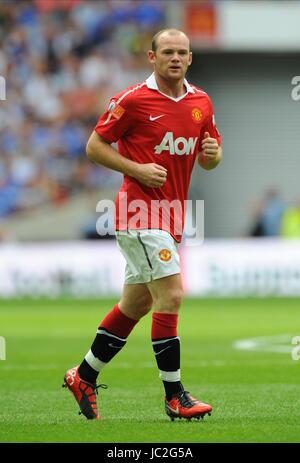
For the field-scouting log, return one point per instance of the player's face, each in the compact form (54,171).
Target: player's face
(172,57)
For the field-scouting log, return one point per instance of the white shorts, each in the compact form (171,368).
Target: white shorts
(149,254)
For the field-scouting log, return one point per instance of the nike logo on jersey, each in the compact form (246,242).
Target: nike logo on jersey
(153,118)
(157,353)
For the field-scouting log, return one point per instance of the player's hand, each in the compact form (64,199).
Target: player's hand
(209,146)
(152,175)
(210,155)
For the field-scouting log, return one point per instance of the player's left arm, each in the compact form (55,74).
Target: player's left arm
(210,154)
(210,151)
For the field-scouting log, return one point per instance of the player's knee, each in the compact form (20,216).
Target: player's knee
(175,300)
(144,305)
(171,301)
(138,307)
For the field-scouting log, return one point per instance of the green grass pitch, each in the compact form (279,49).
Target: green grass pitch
(254,394)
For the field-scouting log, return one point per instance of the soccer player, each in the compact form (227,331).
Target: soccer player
(162,126)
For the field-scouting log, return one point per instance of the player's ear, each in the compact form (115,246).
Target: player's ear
(151,56)
(190,58)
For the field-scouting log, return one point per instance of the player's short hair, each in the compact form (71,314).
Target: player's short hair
(159,33)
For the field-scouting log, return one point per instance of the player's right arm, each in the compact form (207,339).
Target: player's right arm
(99,151)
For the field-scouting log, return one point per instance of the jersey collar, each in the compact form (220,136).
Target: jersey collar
(152,84)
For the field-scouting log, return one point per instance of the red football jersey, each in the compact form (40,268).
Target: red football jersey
(150,126)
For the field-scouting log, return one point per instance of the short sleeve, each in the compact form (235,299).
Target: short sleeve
(210,126)
(117,120)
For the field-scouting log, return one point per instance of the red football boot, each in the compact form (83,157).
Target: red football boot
(84,393)
(183,405)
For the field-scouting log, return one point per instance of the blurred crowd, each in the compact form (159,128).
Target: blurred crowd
(62,60)
(274,217)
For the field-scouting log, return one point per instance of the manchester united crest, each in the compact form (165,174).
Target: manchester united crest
(165,255)
(196,114)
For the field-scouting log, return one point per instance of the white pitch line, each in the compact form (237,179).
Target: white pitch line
(281,344)
(144,365)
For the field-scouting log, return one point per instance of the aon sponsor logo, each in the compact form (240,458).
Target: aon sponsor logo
(179,146)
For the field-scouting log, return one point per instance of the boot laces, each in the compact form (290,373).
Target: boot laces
(185,399)
(99,386)
(94,387)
